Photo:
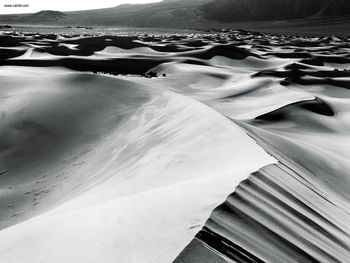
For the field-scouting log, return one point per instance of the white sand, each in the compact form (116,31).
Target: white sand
(143,189)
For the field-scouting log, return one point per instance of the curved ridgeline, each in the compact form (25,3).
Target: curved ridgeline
(280,213)
(296,210)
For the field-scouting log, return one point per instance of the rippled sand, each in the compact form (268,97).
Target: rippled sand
(125,147)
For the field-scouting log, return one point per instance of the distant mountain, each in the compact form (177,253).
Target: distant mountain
(336,8)
(169,13)
(187,13)
(258,10)
(47,15)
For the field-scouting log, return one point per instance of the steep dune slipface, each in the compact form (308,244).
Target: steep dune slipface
(297,110)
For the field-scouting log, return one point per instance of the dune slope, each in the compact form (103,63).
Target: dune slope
(93,166)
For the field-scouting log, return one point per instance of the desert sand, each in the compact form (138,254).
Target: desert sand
(125,148)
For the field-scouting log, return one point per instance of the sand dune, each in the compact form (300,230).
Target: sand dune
(126,148)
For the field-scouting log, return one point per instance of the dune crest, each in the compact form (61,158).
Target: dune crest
(114,160)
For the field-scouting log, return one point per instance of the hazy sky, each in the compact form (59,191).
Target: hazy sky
(29,6)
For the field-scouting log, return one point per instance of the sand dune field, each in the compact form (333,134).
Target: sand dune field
(226,146)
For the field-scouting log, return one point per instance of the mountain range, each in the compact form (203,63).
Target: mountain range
(258,10)
(188,13)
